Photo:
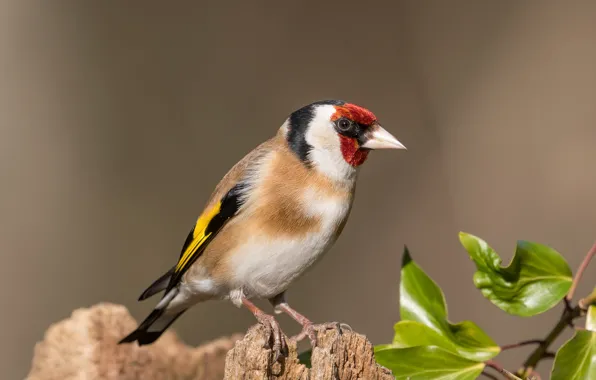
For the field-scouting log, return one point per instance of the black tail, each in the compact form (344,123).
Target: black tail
(152,327)
(158,285)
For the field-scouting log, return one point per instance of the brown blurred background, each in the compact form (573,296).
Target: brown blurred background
(118,118)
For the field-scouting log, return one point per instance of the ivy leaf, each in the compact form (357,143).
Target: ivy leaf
(427,363)
(591,318)
(576,359)
(424,318)
(537,278)
(412,334)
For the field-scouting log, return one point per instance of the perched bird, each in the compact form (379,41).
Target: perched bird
(276,212)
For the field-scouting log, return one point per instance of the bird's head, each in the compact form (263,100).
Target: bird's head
(335,136)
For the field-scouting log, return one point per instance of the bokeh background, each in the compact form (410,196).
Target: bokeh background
(118,118)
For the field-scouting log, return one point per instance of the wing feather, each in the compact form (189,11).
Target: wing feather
(199,235)
(206,228)
(223,205)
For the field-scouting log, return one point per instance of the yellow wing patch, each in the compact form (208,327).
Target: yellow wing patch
(199,236)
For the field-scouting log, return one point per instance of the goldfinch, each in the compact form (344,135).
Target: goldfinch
(270,218)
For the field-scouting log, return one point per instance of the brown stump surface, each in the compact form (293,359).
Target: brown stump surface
(84,346)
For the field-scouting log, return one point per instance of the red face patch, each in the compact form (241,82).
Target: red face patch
(355,113)
(351,152)
(349,146)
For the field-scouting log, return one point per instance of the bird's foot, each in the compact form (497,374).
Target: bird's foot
(276,340)
(310,330)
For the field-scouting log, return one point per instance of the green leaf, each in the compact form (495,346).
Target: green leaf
(427,363)
(591,318)
(537,278)
(412,334)
(576,359)
(424,318)
(304,358)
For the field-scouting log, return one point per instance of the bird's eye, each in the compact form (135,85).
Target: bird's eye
(344,125)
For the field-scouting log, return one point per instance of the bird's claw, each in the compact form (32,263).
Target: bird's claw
(338,326)
(276,340)
(310,330)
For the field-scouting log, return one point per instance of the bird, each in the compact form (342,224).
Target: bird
(274,214)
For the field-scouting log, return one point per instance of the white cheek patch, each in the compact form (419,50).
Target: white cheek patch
(326,147)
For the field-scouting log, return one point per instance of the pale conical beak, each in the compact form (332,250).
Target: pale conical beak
(379,138)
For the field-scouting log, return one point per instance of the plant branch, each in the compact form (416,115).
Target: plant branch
(521,344)
(569,314)
(579,274)
(585,302)
(549,355)
(541,351)
(489,375)
(499,368)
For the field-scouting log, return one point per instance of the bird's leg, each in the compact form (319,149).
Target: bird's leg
(308,328)
(273,331)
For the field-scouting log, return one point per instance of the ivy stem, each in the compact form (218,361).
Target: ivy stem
(585,302)
(499,368)
(489,375)
(579,274)
(569,314)
(549,355)
(521,344)
(541,351)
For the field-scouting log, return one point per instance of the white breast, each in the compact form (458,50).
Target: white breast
(264,267)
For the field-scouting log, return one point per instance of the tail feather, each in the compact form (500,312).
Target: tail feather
(156,322)
(152,327)
(158,285)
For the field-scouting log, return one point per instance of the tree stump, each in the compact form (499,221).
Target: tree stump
(345,356)
(84,346)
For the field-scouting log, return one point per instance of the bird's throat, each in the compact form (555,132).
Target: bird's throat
(351,151)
